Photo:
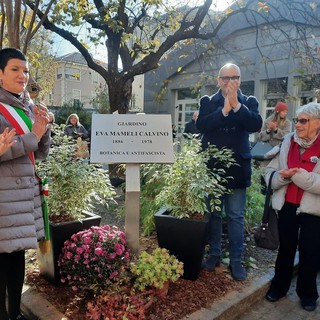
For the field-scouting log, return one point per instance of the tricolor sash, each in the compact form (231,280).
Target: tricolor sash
(23,124)
(19,120)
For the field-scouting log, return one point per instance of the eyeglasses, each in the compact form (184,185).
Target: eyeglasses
(227,79)
(302,120)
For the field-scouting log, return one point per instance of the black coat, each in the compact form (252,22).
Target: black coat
(231,132)
(191,127)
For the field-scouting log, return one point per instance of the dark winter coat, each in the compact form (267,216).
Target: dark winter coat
(74,131)
(231,132)
(191,127)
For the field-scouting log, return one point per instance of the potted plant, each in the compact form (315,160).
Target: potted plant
(188,183)
(156,270)
(97,263)
(73,183)
(94,258)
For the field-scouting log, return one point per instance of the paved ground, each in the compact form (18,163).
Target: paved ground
(249,304)
(287,308)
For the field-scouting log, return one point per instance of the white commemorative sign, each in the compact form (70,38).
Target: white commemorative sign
(131,138)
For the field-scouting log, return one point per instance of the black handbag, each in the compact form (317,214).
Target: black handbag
(259,150)
(267,234)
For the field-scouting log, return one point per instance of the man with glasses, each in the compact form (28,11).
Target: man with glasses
(226,119)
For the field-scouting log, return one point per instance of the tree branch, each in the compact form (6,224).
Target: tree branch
(69,37)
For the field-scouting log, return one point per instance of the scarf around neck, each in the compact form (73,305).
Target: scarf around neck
(24,102)
(302,142)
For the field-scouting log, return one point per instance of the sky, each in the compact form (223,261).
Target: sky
(62,47)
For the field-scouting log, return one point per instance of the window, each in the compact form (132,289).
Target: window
(310,83)
(50,98)
(73,74)
(76,95)
(95,77)
(309,87)
(278,85)
(247,88)
(59,73)
(186,105)
(274,90)
(270,106)
(187,94)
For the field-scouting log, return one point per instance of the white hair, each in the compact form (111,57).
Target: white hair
(229,66)
(312,109)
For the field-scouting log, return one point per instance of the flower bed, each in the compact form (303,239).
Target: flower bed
(96,263)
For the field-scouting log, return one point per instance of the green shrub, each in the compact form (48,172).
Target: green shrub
(150,187)
(156,268)
(73,181)
(254,200)
(184,186)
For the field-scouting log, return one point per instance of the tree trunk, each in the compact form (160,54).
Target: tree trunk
(13,12)
(120,95)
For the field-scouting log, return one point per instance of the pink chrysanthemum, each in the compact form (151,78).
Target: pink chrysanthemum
(94,258)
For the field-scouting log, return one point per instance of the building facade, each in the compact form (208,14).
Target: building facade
(76,83)
(276,64)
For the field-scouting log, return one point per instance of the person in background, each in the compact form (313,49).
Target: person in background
(74,128)
(174,132)
(273,131)
(51,124)
(226,119)
(296,196)
(276,126)
(191,127)
(21,221)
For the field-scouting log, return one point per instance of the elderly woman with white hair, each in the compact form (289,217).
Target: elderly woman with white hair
(74,128)
(296,196)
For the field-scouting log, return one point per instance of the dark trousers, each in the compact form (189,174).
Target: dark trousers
(12,270)
(289,223)
(309,257)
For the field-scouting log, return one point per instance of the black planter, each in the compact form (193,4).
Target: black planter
(48,253)
(184,238)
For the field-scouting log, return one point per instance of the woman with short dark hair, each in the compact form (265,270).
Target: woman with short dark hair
(21,221)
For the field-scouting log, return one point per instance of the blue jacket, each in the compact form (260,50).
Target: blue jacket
(231,132)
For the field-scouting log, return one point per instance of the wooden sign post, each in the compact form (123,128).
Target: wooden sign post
(131,139)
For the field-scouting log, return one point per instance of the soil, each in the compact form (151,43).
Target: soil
(184,296)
